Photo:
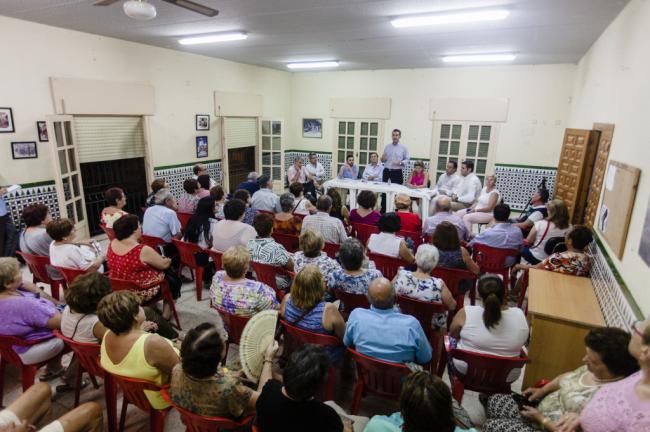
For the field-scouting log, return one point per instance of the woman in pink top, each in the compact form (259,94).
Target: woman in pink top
(418,178)
(115,202)
(365,213)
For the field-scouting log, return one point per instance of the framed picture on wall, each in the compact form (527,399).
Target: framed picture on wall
(41,128)
(24,150)
(202,122)
(6,121)
(201,146)
(312,128)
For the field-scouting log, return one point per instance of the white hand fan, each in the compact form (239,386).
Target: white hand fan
(255,338)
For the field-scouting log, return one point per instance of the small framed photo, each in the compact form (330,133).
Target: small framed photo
(312,128)
(6,121)
(201,146)
(202,122)
(41,128)
(24,150)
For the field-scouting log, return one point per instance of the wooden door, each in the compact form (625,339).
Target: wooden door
(598,174)
(65,162)
(574,170)
(241,161)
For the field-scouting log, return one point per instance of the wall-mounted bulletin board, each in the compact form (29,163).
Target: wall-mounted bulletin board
(619,192)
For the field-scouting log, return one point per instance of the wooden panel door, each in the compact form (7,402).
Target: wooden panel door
(241,161)
(574,170)
(600,166)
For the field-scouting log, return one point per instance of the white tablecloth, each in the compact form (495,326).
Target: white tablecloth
(354,186)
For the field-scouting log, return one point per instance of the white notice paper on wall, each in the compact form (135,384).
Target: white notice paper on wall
(610,179)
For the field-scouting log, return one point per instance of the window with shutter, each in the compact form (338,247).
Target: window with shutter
(109,138)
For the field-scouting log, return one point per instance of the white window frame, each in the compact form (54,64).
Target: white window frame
(356,137)
(278,183)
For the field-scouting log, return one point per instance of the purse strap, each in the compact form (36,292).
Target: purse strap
(548,226)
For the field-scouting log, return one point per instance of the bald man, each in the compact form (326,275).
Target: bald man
(384,333)
(443,214)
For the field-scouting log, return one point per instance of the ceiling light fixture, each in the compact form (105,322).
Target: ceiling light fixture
(450,18)
(313,65)
(218,37)
(139,9)
(479,58)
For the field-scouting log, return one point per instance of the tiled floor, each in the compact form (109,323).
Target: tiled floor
(191,314)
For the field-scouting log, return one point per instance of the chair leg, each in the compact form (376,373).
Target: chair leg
(157,420)
(442,362)
(472,294)
(199,283)
(356,398)
(27,376)
(54,287)
(125,403)
(110,392)
(331,384)
(458,389)
(3,365)
(77,390)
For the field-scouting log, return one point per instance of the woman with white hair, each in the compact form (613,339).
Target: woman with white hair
(421,285)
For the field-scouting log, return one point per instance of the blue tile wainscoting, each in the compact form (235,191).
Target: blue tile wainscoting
(517,183)
(32,193)
(175,175)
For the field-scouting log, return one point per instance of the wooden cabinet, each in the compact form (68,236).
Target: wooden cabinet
(574,170)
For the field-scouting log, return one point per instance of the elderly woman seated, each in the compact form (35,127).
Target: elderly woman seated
(386,242)
(79,320)
(232,231)
(265,250)
(365,213)
(451,254)
(285,222)
(352,277)
(30,314)
(311,244)
(235,294)
(606,360)
(65,252)
(201,385)
(115,202)
(189,201)
(301,204)
(421,285)
(128,350)
(34,239)
(410,221)
(219,196)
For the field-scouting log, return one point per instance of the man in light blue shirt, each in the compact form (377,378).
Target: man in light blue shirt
(503,235)
(265,199)
(374,170)
(384,333)
(443,214)
(160,220)
(349,170)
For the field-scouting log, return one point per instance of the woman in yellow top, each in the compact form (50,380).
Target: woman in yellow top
(128,350)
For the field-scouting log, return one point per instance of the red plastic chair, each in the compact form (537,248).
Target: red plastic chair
(187,252)
(300,216)
(88,358)
(133,393)
(351,301)
(331,249)
(69,274)
(485,373)
(266,273)
(387,265)
(363,231)
(217,258)
(109,232)
(415,236)
(266,211)
(196,423)
(452,278)
(376,377)
(153,242)
(289,241)
(423,311)
(492,260)
(8,355)
(297,337)
(38,266)
(234,325)
(184,218)
(164,294)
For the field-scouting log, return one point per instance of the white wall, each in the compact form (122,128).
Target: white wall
(184,86)
(539,105)
(612,85)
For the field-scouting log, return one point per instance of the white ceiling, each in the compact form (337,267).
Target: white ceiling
(358,33)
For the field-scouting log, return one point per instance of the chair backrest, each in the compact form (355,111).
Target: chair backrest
(352,301)
(331,249)
(452,278)
(133,389)
(37,265)
(416,237)
(196,423)
(184,218)
(492,260)
(69,274)
(485,373)
(7,344)
(363,231)
(265,211)
(124,285)
(87,353)
(297,337)
(187,251)
(289,241)
(266,273)
(109,232)
(422,310)
(216,258)
(152,241)
(300,216)
(234,324)
(387,265)
(379,377)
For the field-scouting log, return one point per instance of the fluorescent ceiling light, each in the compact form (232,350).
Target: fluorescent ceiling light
(313,65)
(450,18)
(218,37)
(481,58)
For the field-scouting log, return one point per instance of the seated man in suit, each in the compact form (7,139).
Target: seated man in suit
(384,333)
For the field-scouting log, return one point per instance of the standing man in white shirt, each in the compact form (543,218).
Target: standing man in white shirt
(374,170)
(395,157)
(468,188)
(315,175)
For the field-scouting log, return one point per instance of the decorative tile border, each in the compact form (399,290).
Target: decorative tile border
(175,175)
(44,193)
(517,183)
